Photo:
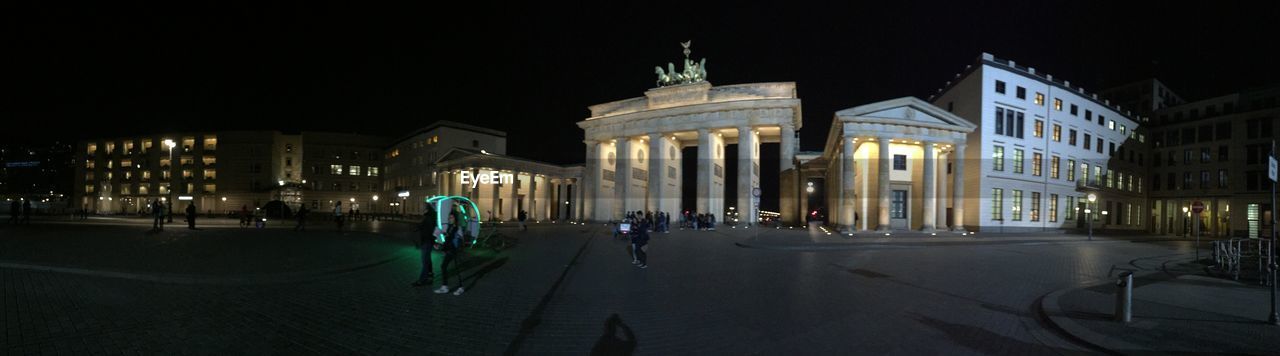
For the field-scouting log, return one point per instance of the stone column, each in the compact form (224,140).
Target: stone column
(545,212)
(510,212)
(475,189)
(703,194)
(494,206)
(957,189)
(558,210)
(746,161)
(533,197)
(847,191)
(654,201)
(787,194)
(886,164)
(578,202)
(930,200)
(588,189)
(622,179)
(803,200)
(943,192)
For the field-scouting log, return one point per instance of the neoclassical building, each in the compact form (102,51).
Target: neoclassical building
(633,146)
(892,165)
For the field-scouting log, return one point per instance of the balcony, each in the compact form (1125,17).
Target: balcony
(1087,184)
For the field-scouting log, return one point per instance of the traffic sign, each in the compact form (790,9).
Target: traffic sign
(1271,168)
(1197,207)
(755,192)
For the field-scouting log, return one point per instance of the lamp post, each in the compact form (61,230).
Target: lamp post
(170,144)
(375,204)
(1088,211)
(1186,212)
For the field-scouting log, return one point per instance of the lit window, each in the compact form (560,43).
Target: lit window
(1039,99)
(1036,159)
(997,158)
(373,171)
(1057,133)
(1017,160)
(1053,167)
(354,170)
(1039,129)
(1017,205)
(335,169)
(1111,124)
(997,204)
(1057,104)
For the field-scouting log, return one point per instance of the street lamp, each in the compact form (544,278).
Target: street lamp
(170,144)
(1089,213)
(1187,212)
(375,204)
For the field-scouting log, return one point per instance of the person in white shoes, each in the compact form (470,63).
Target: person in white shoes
(452,244)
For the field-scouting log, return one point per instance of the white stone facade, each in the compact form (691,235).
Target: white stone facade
(624,173)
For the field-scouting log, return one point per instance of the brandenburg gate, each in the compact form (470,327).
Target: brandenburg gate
(634,145)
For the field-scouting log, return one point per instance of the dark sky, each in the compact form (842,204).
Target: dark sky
(531,69)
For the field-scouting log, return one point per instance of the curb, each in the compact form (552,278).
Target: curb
(261,279)
(1055,316)
(846,246)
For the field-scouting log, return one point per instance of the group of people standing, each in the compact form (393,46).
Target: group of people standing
(690,220)
(20,213)
(452,235)
(160,211)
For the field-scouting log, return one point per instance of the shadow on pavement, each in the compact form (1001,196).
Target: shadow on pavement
(490,267)
(981,340)
(610,344)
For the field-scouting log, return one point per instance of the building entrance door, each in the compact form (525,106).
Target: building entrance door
(898,210)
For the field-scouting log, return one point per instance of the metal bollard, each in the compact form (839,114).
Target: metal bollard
(1124,297)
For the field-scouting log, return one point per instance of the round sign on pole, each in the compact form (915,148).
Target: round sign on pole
(1197,207)
(755,192)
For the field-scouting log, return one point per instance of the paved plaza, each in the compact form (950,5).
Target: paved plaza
(111,286)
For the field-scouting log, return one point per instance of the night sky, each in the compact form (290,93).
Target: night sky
(531,69)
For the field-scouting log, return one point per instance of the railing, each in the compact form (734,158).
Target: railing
(1232,256)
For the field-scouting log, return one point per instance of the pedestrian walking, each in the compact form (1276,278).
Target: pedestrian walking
(191,215)
(451,246)
(639,243)
(337,214)
(26,211)
(302,218)
(522,216)
(15,210)
(427,230)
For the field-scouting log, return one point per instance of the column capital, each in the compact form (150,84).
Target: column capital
(883,138)
(703,131)
(654,136)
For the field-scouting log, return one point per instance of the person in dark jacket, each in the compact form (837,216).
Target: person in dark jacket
(640,239)
(15,210)
(302,218)
(451,246)
(157,215)
(26,211)
(426,237)
(191,216)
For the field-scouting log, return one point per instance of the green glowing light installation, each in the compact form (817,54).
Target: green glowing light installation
(439,202)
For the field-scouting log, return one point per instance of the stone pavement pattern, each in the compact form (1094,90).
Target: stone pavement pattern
(701,294)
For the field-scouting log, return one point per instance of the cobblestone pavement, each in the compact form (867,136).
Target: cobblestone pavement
(552,293)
